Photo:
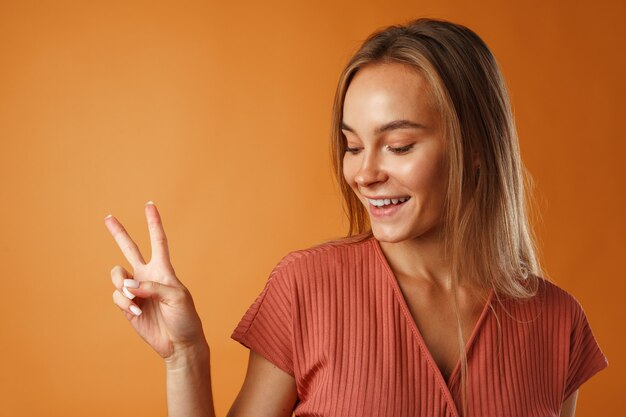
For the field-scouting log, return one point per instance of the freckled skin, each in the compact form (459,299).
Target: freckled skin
(410,238)
(378,94)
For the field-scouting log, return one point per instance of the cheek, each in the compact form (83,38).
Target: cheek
(425,173)
(348,171)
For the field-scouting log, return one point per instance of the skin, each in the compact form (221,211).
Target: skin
(376,164)
(399,161)
(568,408)
(170,324)
(407,160)
(410,160)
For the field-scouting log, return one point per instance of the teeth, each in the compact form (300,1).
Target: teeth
(387,201)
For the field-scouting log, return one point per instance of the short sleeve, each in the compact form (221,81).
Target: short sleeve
(586,358)
(266,327)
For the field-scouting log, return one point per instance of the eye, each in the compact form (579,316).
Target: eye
(353,151)
(401,150)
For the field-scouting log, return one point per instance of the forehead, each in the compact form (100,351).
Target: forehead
(384,91)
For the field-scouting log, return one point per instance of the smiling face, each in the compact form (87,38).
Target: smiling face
(395,150)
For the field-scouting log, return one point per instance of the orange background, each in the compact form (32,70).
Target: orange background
(219,112)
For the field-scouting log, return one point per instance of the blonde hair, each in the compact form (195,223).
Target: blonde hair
(487,233)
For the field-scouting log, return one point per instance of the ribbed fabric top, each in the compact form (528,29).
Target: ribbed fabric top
(334,317)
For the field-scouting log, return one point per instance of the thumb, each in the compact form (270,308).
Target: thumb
(161,292)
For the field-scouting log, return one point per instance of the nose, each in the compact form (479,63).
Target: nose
(370,171)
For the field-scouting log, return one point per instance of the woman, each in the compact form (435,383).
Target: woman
(434,304)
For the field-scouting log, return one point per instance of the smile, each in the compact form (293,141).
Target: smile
(385,208)
(387,201)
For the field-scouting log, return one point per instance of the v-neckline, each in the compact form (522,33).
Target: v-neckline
(445,386)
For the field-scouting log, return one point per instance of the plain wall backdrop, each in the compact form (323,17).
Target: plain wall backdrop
(220,112)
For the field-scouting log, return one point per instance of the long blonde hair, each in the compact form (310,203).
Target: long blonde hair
(487,233)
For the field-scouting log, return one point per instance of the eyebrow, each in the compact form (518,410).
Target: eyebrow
(396,124)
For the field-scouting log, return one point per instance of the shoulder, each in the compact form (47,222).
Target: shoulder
(570,328)
(558,298)
(551,304)
(324,256)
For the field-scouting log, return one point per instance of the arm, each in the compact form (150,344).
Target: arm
(267,391)
(569,406)
(188,382)
(162,312)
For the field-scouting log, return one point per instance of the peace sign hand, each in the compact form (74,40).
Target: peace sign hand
(162,311)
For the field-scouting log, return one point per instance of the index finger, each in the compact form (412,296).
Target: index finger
(123,240)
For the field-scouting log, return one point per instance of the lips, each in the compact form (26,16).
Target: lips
(386,210)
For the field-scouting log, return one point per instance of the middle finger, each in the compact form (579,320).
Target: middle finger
(158,239)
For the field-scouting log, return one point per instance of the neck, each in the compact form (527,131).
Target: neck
(420,259)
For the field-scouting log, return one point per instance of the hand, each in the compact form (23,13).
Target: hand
(165,315)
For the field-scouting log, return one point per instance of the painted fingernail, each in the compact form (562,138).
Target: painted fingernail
(150,202)
(131,283)
(127,293)
(136,311)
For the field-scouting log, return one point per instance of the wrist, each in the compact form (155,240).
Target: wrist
(188,356)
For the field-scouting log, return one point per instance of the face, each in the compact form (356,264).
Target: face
(395,159)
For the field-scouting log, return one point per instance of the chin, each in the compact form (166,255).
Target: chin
(397,233)
(390,234)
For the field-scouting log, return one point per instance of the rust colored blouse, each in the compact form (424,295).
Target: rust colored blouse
(333,316)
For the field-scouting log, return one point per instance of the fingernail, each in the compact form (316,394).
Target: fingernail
(127,293)
(131,283)
(110,215)
(150,202)
(136,311)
